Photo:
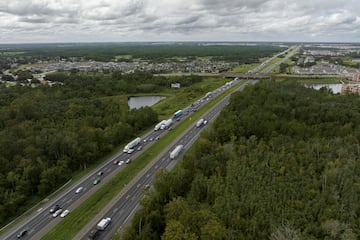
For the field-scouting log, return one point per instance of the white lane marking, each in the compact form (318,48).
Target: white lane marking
(131,213)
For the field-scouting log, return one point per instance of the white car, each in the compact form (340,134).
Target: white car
(79,190)
(57,213)
(121,163)
(66,212)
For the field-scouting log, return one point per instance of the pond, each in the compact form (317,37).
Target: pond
(335,88)
(142,101)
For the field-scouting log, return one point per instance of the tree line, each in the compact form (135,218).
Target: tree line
(281,162)
(148,52)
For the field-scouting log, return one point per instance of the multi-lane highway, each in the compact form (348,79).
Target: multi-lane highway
(123,209)
(40,222)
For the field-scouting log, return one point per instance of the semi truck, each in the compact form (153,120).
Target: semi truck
(167,124)
(176,151)
(200,122)
(103,224)
(178,114)
(158,126)
(131,145)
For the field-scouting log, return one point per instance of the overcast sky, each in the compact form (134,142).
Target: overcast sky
(179,20)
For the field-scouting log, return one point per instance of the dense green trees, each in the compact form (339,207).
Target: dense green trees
(142,51)
(280,162)
(47,133)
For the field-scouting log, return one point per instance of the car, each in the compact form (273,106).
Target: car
(79,190)
(57,213)
(128,161)
(22,233)
(205,122)
(131,150)
(151,139)
(139,148)
(145,140)
(97,181)
(121,163)
(94,234)
(66,212)
(100,173)
(54,208)
(157,138)
(116,162)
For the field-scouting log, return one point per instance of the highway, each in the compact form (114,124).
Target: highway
(41,221)
(121,211)
(127,203)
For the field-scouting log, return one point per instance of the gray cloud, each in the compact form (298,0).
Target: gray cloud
(166,20)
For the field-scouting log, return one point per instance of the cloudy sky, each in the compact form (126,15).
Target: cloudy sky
(179,20)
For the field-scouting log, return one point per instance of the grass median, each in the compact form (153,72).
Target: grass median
(80,216)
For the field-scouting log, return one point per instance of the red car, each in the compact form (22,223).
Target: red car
(116,162)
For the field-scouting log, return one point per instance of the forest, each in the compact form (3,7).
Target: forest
(281,162)
(147,52)
(49,132)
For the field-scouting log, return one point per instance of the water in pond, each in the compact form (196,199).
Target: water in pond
(335,88)
(142,101)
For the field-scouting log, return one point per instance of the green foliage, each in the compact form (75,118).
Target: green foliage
(280,162)
(48,133)
(149,52)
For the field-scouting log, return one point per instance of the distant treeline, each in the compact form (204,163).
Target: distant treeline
(48,133)
(281,162)
(155,53)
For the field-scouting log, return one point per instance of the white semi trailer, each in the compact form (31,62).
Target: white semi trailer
(167,124)
(158,126)
(200,122)
(103,223)
(132,144)
(176,151)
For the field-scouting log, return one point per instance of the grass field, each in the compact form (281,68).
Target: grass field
(78,218)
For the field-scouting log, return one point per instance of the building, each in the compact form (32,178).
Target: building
(350,88)
(175,85)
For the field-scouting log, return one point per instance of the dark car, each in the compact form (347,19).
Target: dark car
(22,233)
(116,162)
(94,234)
(54,208)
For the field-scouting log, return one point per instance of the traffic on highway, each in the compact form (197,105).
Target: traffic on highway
(40,222)
(120,212)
